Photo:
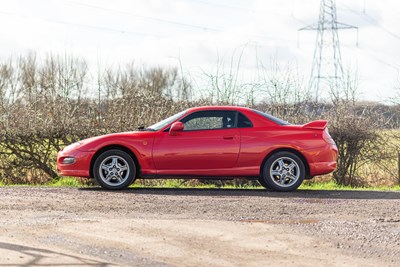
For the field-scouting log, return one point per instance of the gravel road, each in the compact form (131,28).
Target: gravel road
(197,227)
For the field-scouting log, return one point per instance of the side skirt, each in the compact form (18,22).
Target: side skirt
(155,176)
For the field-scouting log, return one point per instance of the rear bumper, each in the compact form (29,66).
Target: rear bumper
(322,168)
(325,161)
(81,166)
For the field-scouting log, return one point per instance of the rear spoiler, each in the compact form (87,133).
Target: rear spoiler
(316,125)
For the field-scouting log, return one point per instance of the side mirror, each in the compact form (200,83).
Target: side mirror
(176,127)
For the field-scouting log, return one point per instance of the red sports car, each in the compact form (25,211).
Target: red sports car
(207,142)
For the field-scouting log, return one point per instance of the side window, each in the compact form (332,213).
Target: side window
(208,120)
(243,121)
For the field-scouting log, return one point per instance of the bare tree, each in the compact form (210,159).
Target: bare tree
(48,103)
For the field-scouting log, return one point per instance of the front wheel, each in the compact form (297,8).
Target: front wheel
(114,169)
(283,171)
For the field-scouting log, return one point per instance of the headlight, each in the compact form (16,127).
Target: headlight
(68,160)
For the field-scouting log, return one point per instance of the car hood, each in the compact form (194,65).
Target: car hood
(93,143)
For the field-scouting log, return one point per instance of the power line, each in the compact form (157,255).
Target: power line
(93,27)
(205,28)
(223,5)
(371,20)
(383,28)
(375,56)
(148,17)
(187,25)
(122,31)
(384,62)
(245,9)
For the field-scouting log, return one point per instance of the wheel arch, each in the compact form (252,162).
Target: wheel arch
(110,147)
(287,149)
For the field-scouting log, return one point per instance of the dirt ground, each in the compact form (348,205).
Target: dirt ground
(197,227)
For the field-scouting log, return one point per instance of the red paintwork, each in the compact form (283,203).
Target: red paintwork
(316,125)
(176,127)
(230,152)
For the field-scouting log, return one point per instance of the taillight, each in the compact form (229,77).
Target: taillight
(327,137)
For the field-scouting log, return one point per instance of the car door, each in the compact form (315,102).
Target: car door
(209,141)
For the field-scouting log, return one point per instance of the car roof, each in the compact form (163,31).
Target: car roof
(256,118)
(218,108)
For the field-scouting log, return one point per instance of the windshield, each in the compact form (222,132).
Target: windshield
(271,118)
(163,123)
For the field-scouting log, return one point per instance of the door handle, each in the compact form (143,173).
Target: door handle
(228,136)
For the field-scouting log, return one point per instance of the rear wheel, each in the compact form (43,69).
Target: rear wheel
(114,169)
(283,171)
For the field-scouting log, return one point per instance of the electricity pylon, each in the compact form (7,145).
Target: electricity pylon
(327,68)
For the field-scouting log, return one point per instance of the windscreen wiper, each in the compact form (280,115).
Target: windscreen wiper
(141,128)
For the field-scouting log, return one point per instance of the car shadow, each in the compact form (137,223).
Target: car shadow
(33,256)
(300,193)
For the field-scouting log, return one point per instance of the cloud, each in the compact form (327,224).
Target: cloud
(201,34)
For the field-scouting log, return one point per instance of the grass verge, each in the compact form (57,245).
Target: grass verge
(331,185)
(67,182)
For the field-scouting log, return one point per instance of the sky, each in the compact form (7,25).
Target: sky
(203,36)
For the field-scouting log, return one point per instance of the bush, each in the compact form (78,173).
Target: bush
(355,136)
(48,104)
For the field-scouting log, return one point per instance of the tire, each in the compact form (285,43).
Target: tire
(263,183)
(283,172)
(114,169)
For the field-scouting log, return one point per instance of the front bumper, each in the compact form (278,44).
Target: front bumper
(81,166)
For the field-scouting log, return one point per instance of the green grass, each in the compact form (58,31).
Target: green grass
(62,182)
(66,182)
(331,185)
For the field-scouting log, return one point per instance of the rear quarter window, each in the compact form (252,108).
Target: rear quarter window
(271,118)
(243,121)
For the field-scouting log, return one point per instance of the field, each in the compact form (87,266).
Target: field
(382,169)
